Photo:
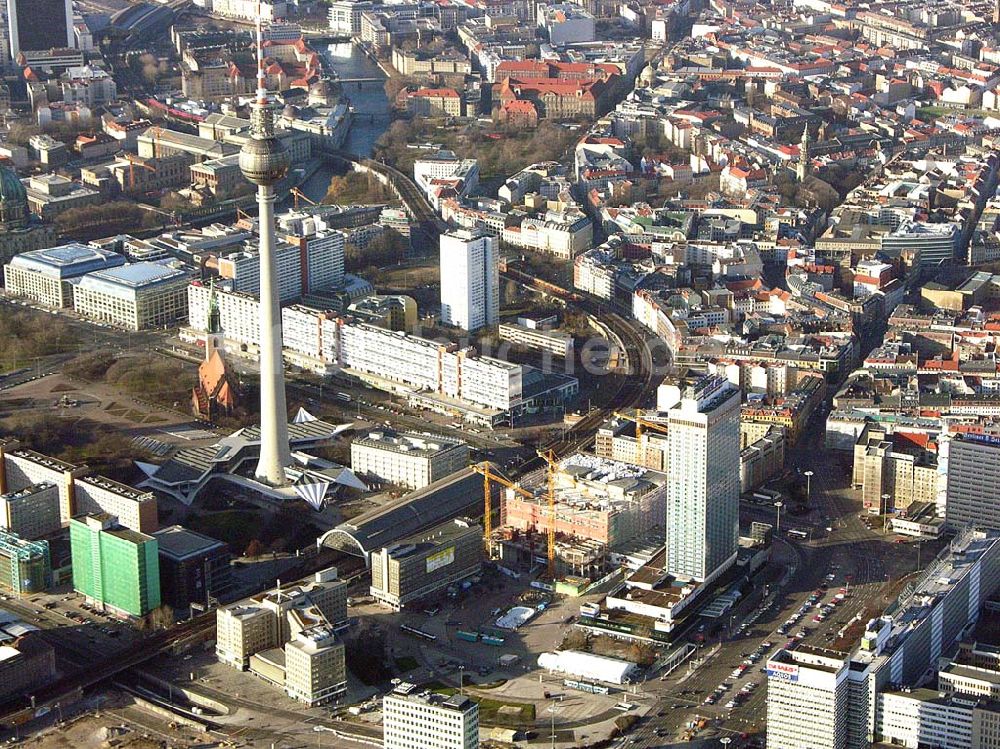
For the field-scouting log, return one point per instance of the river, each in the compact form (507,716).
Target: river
(371,108)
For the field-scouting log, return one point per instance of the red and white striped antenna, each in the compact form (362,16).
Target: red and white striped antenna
(261,77)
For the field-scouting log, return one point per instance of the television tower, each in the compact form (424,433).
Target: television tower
(264,162)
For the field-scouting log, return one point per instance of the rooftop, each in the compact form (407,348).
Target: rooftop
(125,280)
(410,443)
(179,543)
(68,260)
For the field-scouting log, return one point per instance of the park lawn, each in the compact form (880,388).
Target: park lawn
(489,709)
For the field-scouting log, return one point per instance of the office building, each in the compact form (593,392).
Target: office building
(897,651)
(410,460)
(973,481)
(193,568)
(25,566)
(918,718)
(138,296)
(420,565)
(345,16)
(241,631)
(807,683)
(26,664)
(566,23)
(39,25)
(553,342)
(314,666)
(931,244)
(703,476)
(116,569)
(269,620)
(48,276)
(470,279)
(21,468)
(31,512)
(132,508)
(974,669)
(425,720)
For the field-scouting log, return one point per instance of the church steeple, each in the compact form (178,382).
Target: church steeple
(802,169)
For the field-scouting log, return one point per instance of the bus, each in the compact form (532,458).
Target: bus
(417,632)
(796,533)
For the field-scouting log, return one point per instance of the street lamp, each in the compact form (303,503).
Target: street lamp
(552,726)
(885,510)
(725,741)
(778,527)
(808,475)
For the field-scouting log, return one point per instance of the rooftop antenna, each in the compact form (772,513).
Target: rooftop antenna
(261,78)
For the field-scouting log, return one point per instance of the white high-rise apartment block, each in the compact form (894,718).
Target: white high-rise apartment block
(470,279)
(429,721)
(807,693)
(703,434)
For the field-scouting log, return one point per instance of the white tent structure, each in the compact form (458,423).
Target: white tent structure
(588,666)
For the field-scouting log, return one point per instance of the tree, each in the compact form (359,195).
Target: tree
(21,132)
(161,617)
(641,653)
(254,549)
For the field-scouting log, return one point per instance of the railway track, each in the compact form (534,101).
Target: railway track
(635,387)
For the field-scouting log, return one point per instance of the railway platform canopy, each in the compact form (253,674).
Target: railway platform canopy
(457,495)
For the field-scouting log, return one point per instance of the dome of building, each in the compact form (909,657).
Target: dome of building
(13,200)
(648,75)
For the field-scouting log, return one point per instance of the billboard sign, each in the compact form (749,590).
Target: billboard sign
(786,671)
(440,559)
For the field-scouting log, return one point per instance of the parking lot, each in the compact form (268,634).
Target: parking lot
(77,631)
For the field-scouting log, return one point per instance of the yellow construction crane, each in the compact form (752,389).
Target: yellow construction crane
(488,476)
(549,456)
(297,193)
(642,423)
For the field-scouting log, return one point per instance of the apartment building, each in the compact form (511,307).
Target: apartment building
(470,279)
(31,512)
(891,473)
(21,468)
(134,509)
(409,459)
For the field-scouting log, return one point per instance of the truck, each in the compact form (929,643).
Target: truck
(467,636)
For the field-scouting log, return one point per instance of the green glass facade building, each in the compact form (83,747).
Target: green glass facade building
(115,567)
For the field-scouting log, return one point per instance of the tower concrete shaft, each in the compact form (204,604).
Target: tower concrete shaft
(264,162)
(274,450)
